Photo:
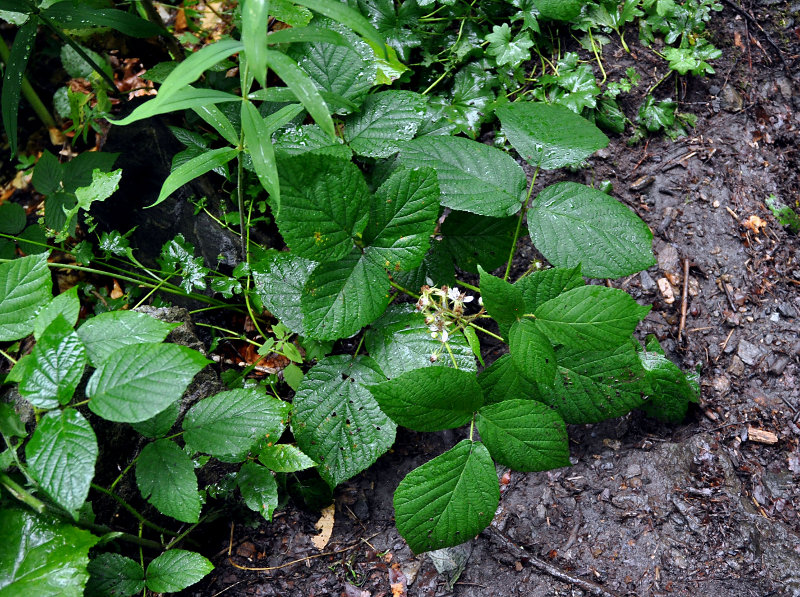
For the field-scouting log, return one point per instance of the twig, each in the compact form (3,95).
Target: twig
(684,299)
(724,345)
(547,568)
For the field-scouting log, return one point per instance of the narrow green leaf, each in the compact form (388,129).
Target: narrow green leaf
(218,121)
(573,224)
(503,381)
(19,6)
(284,458)
(448,500)
(77,15)
(306,34)
(195,167)
(430,399)
(176,569)
(166,478)
(346,16)
(259,489)
(259,145)
(503,300)
(114,574)
(25,285)
(385,120)
(255,14)
(107,333)
(281,118)
(524,435)
(139,381)
(279,280)
(532,353)
(474,240)
(16,64)
(182,99)
(337,422)
(541,286)
(195,65)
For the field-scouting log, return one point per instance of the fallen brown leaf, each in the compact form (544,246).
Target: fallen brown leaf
(325,527)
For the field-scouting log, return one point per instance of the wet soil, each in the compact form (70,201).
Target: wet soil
(709,507)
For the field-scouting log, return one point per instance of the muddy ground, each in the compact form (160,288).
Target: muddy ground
(709,507)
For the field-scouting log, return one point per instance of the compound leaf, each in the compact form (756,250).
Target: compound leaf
(284,458)
(114,574)
(474,240)
(541,286)
(531,352)
(65,304)
(503,300)
(503,381)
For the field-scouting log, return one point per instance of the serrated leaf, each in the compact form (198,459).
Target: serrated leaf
(41,556)
(524,435)
(259,145)
(25,285)
(472,176)
(227,425)
(12,218)
(65,304)
(284,458)
(503,300)
(594,317)
(279,280)
(541,286)
(310,138)
(337,422)
(341,297)
(259,489)
(61,456)
(503,381)
(574,224)
(188,171)
(531,352)
(166,479)
(548,135)
(176,569)
(139,381)
(437,266)
(55,367)
(183,99)
(324,205)
(107,333)
(114,574)
(400,341)
(448,500)
(385,120)
(430,399)
(669,389)
(160,424)
(402,219)
(47,174)
(474,240)
(507,50)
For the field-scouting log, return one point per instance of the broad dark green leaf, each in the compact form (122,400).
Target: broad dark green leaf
(473,177)
(503,381)
(669,390)
(279,279)
(437,266)
(15,65)
(255,16)
(549,135)
(41,556)
(188,171)
(65,304)
(19,6)
(306,34)
(284,458)
(195,65)
(10,423)
(573,224)
(474,240)
(139,381)
(559,10)
(47,174)
(227,425)
(182,99)
(531,352)
(259,144)
(430,399)
(114,574)
(176,569)
(541,286)
(166,478)
(107,333)
(12,218)
(448,500)
(325,203)
(503,300)
(309,138)
(336,421)
(524,435)
(385,120)
(259,489)
(594,317)
(78,172)
(78,15)
(160,424)
(25,285)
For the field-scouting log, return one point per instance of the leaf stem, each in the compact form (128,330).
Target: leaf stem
(133,512)
(487,332)
(11,359)
(401,289)
(522,212)
(22,494)
(471,427)
(467,285)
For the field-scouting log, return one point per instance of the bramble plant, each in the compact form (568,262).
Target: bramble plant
(377,201)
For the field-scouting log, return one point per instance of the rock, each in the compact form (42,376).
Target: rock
(785,308)
(730,99)
(721,384)
(748,352)
(778,364)
(737,366)
(668,259)
(633,470)
(647,282)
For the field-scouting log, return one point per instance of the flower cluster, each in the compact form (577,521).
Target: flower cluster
(442,308)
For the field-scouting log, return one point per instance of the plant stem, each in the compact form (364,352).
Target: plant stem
(467,285)
(487,332)
(30,94)
(522,212)
(403,290)
(131,510)
(22,494)
(452,356)
(11,359)
(597,57)
(471,427)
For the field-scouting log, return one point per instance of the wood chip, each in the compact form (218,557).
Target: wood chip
(325,527)
(666,290)
(761,436)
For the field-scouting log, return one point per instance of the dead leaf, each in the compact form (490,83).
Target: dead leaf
(397,581)
(116,291)
(755,224)
(737,40)
(325,527)
(351,591)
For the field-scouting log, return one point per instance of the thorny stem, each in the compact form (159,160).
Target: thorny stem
(522,213)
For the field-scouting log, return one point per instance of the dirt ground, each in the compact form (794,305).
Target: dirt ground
(709,507)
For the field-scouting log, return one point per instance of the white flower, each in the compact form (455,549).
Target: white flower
(445,336)
(454,294)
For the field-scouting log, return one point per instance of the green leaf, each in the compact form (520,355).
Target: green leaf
(337,422)
(160,424)
(657,116)
(259,489)
(79,171)
(306,34)
(524,435)
(386,120)
(65,304)
(475,240)
(176,569)
(55,367)
(212,115)
(255,14)
(42,557)
(25,285)
(10,423)
(259,144)
(437,266)
(508,51)
(287,12)
(474,343)
(195,167)
(531,352)
(109,332)
(541,286)
(114,574)
(16,63)
(61,456)
(503,381)
(324,205)
(503,300)
(139,381)
(473,177)
(284,458)
(279,280)
(402,219)
(559,10)
(669,389)
(310,138)
(548,135)
(47,173)
(346,16)
(195,65)
(596,385)
(594,317)
(182,99)
(448,500)
(227,425)
(33,241)
(165,477)
(12,218)
(400,341)
(430,399)
(574,224)
(76,15)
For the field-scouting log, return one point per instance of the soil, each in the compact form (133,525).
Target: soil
(707,507)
